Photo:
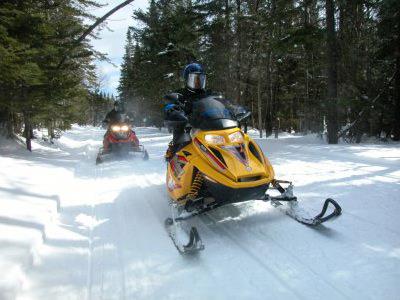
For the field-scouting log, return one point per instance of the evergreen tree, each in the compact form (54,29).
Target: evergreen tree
(388,55)
(280,58)
(35,36)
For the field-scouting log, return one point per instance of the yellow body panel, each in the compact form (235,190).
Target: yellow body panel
(179,186)
(236,172)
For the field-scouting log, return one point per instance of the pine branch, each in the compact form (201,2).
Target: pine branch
(91,28)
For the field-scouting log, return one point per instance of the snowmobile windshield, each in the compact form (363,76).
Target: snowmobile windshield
(211,114)
(123,118)
(118,119)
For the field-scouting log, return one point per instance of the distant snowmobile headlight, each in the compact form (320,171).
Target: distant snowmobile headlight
(236,137)
(124,128)
(115,128)
(214,139)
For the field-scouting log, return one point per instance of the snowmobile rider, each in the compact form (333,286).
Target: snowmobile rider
(114,115)
(178,105)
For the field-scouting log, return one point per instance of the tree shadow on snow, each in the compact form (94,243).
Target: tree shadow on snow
(23,192)
(24,224)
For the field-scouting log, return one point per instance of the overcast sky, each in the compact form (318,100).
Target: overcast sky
(112,42)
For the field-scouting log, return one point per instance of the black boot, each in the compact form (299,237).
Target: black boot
(169,154)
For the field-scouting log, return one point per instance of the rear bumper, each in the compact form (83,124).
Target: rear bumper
(116,147)
(225,195)
(125,148)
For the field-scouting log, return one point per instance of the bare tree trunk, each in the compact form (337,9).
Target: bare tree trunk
(259,80)
(271,90)
(259,104)
(396,131)
(227,41)
(277,127)
(332,114)
(10,125)
(50,131)
(253,121)
(28,131)
(307,57)
(238,51)
(268,103)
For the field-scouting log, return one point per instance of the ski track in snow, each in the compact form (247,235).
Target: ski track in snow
(262,258)
(74,230)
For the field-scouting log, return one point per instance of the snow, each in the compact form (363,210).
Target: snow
(73,230)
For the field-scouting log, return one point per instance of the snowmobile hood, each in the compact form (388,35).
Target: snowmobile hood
(229,156)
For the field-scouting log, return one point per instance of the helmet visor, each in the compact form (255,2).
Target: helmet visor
(196,81)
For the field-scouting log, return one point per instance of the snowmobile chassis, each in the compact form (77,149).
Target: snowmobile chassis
(194,208)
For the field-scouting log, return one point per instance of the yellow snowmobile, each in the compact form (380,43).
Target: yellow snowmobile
(219,164)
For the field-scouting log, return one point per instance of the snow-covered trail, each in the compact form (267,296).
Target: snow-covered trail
(107,239)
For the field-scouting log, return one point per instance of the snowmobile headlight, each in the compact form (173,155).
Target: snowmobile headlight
(214,139)
(115,128)
(124,128)
(236,137)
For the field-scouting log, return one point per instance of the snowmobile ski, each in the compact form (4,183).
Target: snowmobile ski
(99,159)
(175,232)
(293,210)
(190,243)
(286,202)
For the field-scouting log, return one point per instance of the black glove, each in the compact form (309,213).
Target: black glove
(176,114)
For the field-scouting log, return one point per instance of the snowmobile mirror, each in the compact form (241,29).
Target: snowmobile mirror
(242,119)
(243,116)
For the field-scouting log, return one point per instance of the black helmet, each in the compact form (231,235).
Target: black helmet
(194,76)
(118,106)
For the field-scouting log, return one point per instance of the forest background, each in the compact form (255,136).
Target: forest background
(327,66)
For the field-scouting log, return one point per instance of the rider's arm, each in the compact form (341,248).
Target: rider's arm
(106,119)
(173,108)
